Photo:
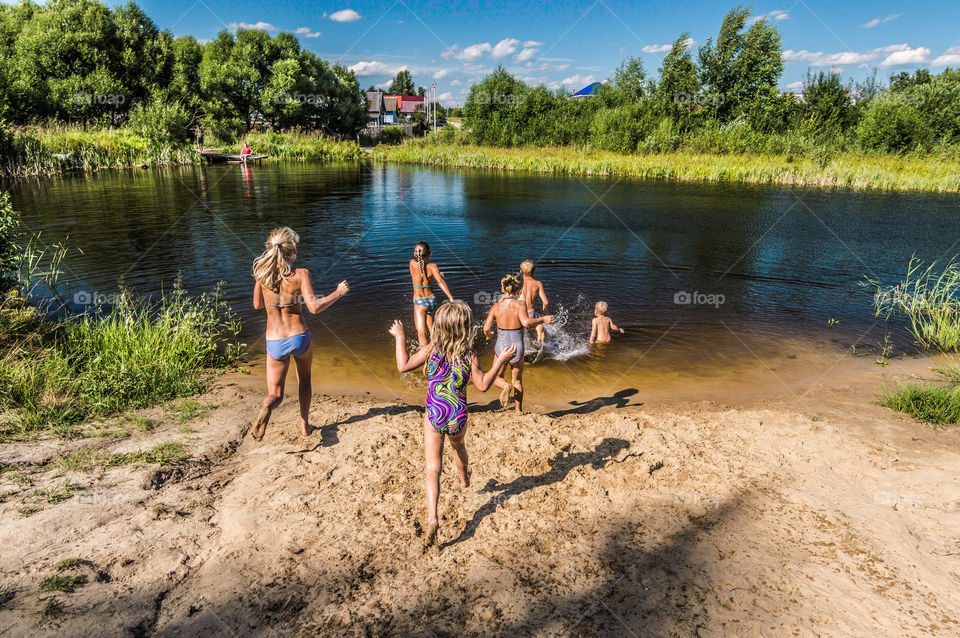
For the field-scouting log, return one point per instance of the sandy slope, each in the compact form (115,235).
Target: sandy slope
(823,515)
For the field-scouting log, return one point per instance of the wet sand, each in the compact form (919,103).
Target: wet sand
(816,514)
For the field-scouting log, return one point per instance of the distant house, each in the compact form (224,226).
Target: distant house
(391,109)
(588,91)
(375,108)
(410,104)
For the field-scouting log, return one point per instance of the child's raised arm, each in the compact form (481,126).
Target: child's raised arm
(435,270)
(593,330)
(406,363)
(258,303)
(314,304)
(483,380)
(543,297)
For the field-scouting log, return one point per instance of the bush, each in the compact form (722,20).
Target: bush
(617,129)
(891,126)
(391,135)
(161,122)
(9,248)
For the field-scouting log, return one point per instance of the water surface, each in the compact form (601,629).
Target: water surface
(782,261)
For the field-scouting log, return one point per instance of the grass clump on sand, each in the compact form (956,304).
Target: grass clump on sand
(84,459)
(929,298)
(55,373)
(66,583)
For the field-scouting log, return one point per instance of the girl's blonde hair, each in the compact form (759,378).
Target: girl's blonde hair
(511,284)
(453,329)
(273,266)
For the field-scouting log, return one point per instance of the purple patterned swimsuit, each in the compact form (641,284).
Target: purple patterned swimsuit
(447,393)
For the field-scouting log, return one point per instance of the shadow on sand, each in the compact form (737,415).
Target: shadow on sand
(620,399)
(560,466)
(329,433)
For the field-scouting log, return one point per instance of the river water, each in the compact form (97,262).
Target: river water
(724,290)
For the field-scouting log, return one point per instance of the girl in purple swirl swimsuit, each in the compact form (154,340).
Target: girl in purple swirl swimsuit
(451,364)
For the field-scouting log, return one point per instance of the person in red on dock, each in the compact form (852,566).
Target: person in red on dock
(245,152)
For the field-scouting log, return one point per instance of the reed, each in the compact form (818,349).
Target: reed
(934,403)
(882,172)
(57,372)
(929,298)
(301,145)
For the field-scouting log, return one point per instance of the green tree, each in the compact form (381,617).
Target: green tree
(630,80)
(493,106)
(740,68)
(402,84)
(678,90)
(827,104)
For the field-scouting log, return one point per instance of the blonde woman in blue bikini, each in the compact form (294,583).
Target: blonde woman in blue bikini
(283,290)
(423,272)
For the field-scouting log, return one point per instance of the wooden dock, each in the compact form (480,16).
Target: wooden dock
(215,156)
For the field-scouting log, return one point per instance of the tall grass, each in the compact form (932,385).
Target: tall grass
(29,151)
(55,373)
(929,298)
(884,172)
(936,403)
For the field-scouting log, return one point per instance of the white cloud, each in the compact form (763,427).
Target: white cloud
(446,96)
(578,80)
(261,26)
(892,54)
(474,52)
(442,73)
(532,43)
(778,14)
(527,54)
(455,83)
(876,21)
(383,86)
(794,87)
(906,57)
(950,57)
(306,32)
(373,67)
(663,48)
(345,15)
(504,48)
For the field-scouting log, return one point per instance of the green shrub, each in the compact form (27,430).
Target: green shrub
(9,248)
(618,129)
(161,122)
(891,126)
(391,135)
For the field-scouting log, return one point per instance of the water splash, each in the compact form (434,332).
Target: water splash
(564,340)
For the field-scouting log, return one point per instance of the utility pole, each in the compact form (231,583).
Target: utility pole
(434,106)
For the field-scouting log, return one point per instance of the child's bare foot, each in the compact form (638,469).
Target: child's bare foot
(260,427)
(305,428)
(431,536)
(505,396)
(466,477)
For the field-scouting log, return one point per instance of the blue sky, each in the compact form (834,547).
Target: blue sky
(573,43)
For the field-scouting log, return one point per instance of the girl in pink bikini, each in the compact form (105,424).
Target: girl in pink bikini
(451,364)
(283,291)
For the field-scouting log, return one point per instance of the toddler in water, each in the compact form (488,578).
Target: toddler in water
(533,288)
(451,364)
(510,313)
(283,290)
(602,324)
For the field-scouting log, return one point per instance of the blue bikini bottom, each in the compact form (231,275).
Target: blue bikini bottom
(282,349)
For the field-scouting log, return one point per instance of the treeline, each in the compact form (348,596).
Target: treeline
(726,99)
(81,62)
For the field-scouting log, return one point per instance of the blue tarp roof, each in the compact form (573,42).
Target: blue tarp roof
(590,89)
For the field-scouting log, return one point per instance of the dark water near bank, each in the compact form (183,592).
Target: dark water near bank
(784,262)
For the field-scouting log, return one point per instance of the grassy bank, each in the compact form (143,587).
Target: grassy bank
(56,373)
(884,172)
(31,151)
